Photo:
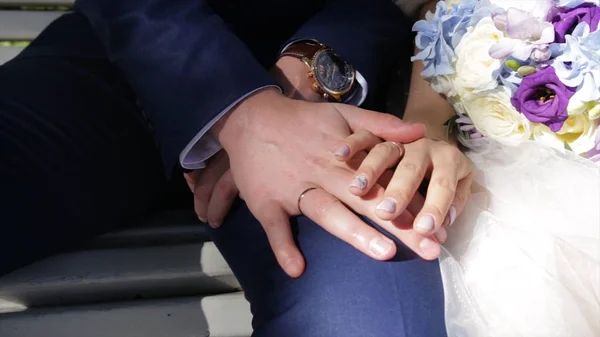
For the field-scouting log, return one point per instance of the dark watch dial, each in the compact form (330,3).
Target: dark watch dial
(332,73)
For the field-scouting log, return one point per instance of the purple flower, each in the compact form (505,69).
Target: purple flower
(567,19)
(543,98)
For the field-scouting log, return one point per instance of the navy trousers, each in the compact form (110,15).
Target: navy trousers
(77,158)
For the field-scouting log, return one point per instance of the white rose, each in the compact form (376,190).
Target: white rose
(578,132)
(590,109)
(443,85)
(541,133)
(475,67)
(495,117)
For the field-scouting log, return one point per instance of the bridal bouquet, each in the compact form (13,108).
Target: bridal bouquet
(517,70)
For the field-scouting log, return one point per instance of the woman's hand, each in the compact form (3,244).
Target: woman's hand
(214,189)
(448,170)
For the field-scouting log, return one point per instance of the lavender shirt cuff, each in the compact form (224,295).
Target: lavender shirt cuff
(204,145)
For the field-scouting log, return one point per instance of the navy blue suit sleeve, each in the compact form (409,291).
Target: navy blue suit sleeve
(371,34)
(180,58)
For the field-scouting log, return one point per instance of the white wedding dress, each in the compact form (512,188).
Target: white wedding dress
(523,259)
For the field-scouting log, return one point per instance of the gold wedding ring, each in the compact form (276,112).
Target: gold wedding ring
(399,146)
(302,197)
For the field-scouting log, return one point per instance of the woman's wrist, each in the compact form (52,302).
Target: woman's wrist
(435,128)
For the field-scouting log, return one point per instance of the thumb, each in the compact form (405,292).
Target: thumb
(383,125)
(276,224)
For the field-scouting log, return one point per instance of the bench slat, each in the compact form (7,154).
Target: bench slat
(24,25)
(152,236)
(118,274)
(7,53)
(169,227)
(216,316)
(37,2)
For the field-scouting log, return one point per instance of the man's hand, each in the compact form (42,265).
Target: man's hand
(214,189)
(280,147)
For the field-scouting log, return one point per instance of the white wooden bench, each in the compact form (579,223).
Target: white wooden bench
(161,278)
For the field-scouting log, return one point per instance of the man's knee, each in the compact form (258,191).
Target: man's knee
(356,307)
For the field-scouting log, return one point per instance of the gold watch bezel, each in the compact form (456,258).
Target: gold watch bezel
(327,93)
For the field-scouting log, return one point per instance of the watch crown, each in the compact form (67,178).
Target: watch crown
(325,95)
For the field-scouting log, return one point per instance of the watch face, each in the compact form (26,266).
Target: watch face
(332,73)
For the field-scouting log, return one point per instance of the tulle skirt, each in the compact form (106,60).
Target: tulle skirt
(523,259)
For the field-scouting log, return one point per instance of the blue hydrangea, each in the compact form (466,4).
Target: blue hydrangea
(509,77)
(441,32)
(578,64)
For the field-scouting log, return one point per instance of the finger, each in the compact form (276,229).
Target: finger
(191,178)
(328,212)
(447,170)
(333,181)
(416,204)
(441,235)
(276,225)
(385,177)
(359,141)
(383,156)
(382,125)
(223,196)
(406,219)
(206,182)
(405,183)
(463,193)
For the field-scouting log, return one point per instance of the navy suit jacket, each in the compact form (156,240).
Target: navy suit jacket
(187,60)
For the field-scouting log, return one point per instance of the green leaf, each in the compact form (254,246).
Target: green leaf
(567,147)
(452,126)
(451,120)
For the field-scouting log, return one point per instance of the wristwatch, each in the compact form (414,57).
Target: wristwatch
(332,76)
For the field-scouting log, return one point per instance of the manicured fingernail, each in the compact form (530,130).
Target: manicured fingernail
(380,246)
(429,248)
(387,205)
(201,219)
(343,151)
(452,214)
(441,235)
(425,224)
(359,182)
(214,224)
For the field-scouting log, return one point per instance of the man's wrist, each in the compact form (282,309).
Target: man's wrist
(227,129)
(292,74)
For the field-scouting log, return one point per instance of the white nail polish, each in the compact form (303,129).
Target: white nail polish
(425,224)
(452,214)
(380,247)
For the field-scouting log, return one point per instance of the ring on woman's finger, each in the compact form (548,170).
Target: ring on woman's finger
(399,146)
(301,196)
